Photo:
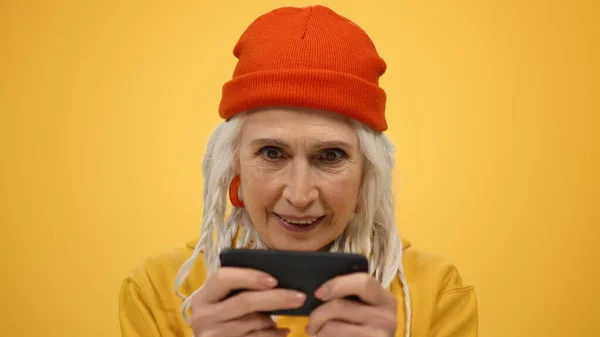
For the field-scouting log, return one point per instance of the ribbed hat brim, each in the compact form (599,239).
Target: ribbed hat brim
(308,88)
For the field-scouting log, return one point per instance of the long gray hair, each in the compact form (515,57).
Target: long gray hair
(371,232)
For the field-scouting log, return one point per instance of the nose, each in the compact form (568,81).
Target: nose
(299,190)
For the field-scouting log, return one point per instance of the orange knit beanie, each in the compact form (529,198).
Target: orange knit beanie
(307,57)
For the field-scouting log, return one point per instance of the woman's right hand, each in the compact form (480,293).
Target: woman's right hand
(239,315)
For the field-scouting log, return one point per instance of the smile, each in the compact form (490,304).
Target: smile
(299,224)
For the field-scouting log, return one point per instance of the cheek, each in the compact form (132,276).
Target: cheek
(259,188)
(340,191)
(258,192)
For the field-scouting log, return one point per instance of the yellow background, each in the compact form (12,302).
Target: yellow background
(106,107)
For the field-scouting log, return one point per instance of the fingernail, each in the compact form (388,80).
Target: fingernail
(322,293)
(299,297)
(270,281)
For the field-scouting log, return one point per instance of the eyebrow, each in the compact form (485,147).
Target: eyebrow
(321,144)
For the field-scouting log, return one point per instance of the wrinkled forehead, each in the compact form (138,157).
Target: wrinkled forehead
(298,123)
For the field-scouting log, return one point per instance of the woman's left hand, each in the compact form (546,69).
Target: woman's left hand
(342,317)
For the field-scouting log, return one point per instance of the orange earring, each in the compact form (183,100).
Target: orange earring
(233,192)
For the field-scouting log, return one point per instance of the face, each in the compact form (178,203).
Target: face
(301,172)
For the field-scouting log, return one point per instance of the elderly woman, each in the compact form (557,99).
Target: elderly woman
(303,161)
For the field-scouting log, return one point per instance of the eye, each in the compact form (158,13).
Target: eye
(271,152)
(333,155)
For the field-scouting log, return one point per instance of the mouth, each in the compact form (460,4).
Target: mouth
(299,225)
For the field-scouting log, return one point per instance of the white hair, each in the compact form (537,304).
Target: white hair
(371,232)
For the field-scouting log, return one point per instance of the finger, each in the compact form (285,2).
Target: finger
(244,325)
(258,301)
(227,279)
(275,332)
(350,312)
(337,328)
(357,284)
(222,331)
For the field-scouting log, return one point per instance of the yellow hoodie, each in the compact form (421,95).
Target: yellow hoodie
(443,305)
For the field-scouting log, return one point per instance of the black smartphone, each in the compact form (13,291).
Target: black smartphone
(297,270)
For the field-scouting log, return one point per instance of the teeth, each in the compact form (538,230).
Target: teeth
(299,222)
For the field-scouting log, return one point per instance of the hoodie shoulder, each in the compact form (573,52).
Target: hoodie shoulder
(441,299)
(156,276)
